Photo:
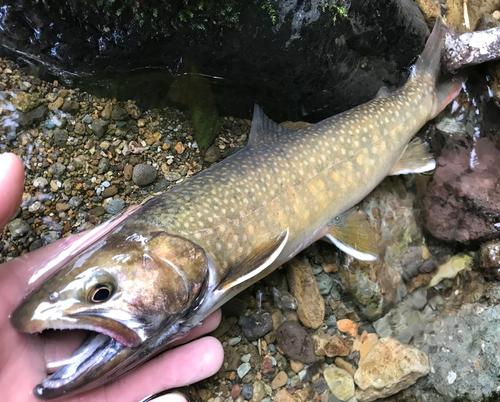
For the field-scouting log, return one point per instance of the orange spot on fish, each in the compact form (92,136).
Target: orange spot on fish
(250,229)
(335,176)
(359,159)
(312,189)
(330,194)
(321,184)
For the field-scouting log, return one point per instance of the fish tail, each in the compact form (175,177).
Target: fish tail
(429,63)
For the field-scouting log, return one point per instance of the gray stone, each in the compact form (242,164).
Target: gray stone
(79,128)
(75,201)
(87,119)
(340,383)
(115,206)
(119,113)
(57,169)
(70,106)
(213,154)
(243,369)
(99,127)
(247,391)
(18,228)
(34,116)
(172,176)
(50,236)
(103,166)
(144,174)
(257,324)
(60,137)
(325,283)
(234,341)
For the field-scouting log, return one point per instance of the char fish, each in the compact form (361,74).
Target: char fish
(170,263)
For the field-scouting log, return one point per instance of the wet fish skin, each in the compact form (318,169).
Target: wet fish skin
(183,254)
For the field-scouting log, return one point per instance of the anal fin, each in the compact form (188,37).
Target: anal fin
(416,158)
(382,92)
(352,234)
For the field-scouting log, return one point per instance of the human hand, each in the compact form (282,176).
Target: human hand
(23,357)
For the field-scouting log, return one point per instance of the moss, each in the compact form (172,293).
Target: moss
(269,7)
(337,7)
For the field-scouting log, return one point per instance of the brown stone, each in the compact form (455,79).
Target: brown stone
(127,172)
(280,380)
(283,396)
(56,104)
(106,112)
(303,286)
(109,191)
(179,147)
(331,345)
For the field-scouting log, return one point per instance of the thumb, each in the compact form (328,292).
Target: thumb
(173,397)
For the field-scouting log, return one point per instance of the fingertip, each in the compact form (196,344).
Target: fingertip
(11,185)
(214,354)
(173,397)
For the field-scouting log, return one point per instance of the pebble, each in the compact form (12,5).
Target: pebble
(70,106)
(280,380)
(295,342)
(143,174)
(348,327)
(179,147)
(36,115)
(50,236)
(37,206)
(18,228)
(340,383)
(257,324)
(247,391)
(99,127)
(110,191)
(283,396)
(57,169)
(87,119)
(259,391)
(127,172)
(320,385)
(325,283)
(389,368)
(243,369)
(172,176)
(75,201)
(115,206)
(331,345)
(246,357)
(311,306)
(213,154)
(234,341)
(119,113)
(40,182)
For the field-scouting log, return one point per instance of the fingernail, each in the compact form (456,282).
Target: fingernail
(173,397)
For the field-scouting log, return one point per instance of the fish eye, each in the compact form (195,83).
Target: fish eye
(101,292)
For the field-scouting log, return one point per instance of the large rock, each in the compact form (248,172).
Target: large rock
(388,368)
(312,59)
(303,286)
(295,342)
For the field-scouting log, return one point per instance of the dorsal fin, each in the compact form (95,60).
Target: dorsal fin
(264,130)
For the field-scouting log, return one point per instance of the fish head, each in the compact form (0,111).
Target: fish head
(126,290)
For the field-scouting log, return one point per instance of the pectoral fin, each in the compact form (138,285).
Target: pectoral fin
(416,158)
(254,266)
(352,234)
(383,92)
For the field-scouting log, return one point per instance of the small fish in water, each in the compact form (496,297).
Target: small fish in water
(170,263)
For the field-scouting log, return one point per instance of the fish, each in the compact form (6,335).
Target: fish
(170,263)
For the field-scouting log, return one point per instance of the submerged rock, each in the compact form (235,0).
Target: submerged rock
(144,174)
(489,264)
(295,342)
(331,345)
(339,382)
(303,286)
(257,324)
(388,368)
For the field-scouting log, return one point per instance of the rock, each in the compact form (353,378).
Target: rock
(431,11)
(110,191)
(213,154)
(325,283)
(172,176)
(56,104)
(339,382)
(461,201)
(283,396)
(99,127)
(331,345)
(57,169)
(389,367)
(119,113)
(133,110)
(320,385)
(368,343)
(489,260)
(451,268)
(87,119)
(103,166)
(280,380)
(234,341)
(348,327)
(106,112)
(75,202)
(36,207)
(18,228)
(62,207)
(303,286)
(179,147)
(25,102)
(243,369)
(60,137)
(143,174)
(284,300)
(295,342)
(49,236)
(26,120)
(257,324)
(79,128)
(40,182)
(127,172)
(259,391)
(247,391)
(296,366)
(115,206)
(70,106)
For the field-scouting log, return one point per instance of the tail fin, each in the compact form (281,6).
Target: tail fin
(430,59)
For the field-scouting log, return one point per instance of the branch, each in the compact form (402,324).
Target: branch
(462,50)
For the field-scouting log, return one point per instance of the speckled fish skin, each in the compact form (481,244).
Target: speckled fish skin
(170,263)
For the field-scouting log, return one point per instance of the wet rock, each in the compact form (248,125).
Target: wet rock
(98,211)
(133,110)
(247,391)
(75,201)
(339,382)
(115,206)
(451,268)
(127,172)
(25,102)
(70,106)
(87,119)
(62,207)
(172,176)
(462,201)
(99,127)
(103,166)
(56,104)
(18,228)
(60,137)
(57,169)
(144,174)
(284,300)
(110,191)
(50,236)
(36,207)
(489,257)
(348,327)
(325,283)
(257,324)
(331,345)
(243,369)
(320,385)
(259,391)
(303,286)
(295,342)
(389,367)
(279,381)
(26,120)
(283,396)
(213,154)
(119,113)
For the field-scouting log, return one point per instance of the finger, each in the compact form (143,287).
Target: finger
(178,367)
(11,186)
(174,397)
(209,324)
